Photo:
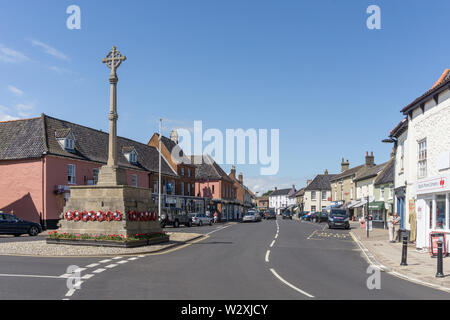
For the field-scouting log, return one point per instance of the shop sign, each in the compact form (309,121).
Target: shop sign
(431,185)
(435,237)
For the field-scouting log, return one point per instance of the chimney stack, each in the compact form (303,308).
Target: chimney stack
(233,172)
(345,165)
(326,172)
(241,178)
(370,160)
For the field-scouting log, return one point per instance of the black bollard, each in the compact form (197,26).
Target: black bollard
(404,251)
(439,273)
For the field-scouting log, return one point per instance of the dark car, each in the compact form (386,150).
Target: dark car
(313,217)
(322,217)
(10,224)
(338,218)
(175,217)
(286,214)
(270,215)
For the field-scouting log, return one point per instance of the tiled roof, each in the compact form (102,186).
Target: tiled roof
(22,139)
(34,137)
(347,173)
(399,128)
(387,175)
(280,192)
(370,172)
(321,182)
(208,169)
(443,82)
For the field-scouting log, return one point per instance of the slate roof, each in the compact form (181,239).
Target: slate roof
(387,175)
(321,182)
(170,145)
(208,169)
(33,138)
(370,172)
(280,192)
(347,173)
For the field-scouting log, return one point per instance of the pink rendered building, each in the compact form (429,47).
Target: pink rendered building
(41,158)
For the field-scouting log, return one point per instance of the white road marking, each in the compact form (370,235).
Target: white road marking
(93,265)
(99,270)
(111,266)
(123,261)
(267,255)
(276,236)
(290,285)
(218,229)
(273,242)
(79,270)
(105,261)
(28,276)
(88,276)
(70,292)
(132,259)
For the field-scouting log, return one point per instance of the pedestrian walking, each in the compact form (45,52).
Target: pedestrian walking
(215,217)
(396,223)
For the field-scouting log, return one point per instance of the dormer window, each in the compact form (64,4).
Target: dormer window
(131,154)
(66,139)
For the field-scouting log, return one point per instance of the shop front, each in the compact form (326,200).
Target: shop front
(432,208)
(378,212)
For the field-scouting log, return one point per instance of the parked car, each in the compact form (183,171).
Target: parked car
(305,216)
(251,216)
(322,217)
(338,218)
(201,219)
(175,217)
(270,215)
(12,225)
(286,214)
(313,216)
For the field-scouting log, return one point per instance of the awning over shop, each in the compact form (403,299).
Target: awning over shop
(359,204)
(354,204)
(376,205)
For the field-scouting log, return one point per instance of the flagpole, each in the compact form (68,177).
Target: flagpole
(159,171)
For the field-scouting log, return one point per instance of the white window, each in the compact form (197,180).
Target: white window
(182,188)
(189,172)
(71,174)
(324,195)
(391,192)
(313,208)
(134,180)
(133,157)
(189,189)
(313,195)
(382,194)
(351,193)
(182,171)
(422,160)
(402,155)
(335,195)
(69,144)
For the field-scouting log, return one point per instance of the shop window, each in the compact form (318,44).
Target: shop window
(441,222)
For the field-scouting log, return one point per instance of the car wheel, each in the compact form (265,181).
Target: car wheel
(210,223)
(188,224)
(34,231)
(200,223)
(176,224)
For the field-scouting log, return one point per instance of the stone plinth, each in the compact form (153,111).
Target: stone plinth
(112,176)
(109,198)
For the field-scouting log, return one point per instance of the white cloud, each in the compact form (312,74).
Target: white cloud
(4,116)
(15,90)
(50,50)
(24,110)
(9,55)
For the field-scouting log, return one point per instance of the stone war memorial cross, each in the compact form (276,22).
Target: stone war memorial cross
(111,207)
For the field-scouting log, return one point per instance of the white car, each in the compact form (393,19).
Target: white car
(201,219)
(251,216)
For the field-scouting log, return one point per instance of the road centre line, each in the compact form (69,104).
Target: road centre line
(218,229)
(267,255)
(273,242)
(290,285)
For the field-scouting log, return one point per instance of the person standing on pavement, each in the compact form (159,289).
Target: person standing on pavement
(390,222)
(396,224)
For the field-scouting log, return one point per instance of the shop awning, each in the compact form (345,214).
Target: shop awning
(353,204)
(376,205)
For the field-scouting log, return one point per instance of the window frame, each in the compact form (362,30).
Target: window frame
(74,176)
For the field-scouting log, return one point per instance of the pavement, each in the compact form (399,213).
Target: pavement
(421,266)
(268,260)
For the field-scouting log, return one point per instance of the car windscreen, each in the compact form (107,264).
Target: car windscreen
(338,213)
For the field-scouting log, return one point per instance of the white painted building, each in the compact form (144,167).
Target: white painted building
(281,199)
(422,173)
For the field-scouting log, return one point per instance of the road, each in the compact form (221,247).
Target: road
(305,262)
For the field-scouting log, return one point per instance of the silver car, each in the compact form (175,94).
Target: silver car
(251,216)
(201,219)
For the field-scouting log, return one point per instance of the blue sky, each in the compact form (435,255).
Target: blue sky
(309,68)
